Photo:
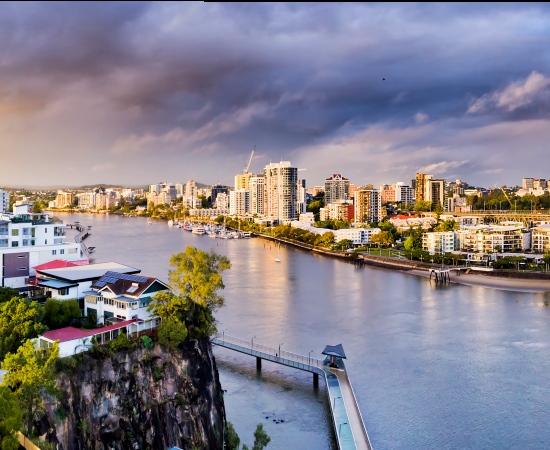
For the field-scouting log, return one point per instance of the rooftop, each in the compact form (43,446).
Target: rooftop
(72,333)
(88,272)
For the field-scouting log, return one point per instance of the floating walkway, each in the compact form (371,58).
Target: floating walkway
(348,423)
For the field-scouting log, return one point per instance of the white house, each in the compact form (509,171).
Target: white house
(118,297)
(28,239)
(71,282)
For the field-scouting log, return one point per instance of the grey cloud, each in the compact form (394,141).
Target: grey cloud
(290,78)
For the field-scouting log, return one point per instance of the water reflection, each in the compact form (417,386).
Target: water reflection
(432,366)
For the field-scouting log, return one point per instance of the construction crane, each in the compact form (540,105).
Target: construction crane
(507,198)
(245,170)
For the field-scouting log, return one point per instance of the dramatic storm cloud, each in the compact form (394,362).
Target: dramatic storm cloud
(134,93)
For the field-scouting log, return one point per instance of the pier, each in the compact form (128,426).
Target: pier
(347,420)
(83,233)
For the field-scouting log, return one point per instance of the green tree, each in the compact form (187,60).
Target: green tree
(261,439)
(7,293)
(447,225)
(59,313)
(11,419)
(172,332)
(546,258)
(414,241)
(324,240)
(30,372)
(232,440)
(422,205)
(383,239)
(197,276)
(20,319)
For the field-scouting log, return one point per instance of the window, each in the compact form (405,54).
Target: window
(54,252)
(3,242)
(26,242)
(15,244)
(61,252)
(15,232)
(64,291)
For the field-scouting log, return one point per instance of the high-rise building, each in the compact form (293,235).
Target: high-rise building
(527,183)
(367,205)
(239,202)
(242,180)
(336,188)
(4,201)
(65,199)
(430,190)
(539,183)
(222,200)
(281,182)
(257,195)
(215,190)
(403,194)
(301,205)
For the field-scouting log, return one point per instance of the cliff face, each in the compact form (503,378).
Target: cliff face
(139,399)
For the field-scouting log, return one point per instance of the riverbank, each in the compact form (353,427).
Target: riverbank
(479,279)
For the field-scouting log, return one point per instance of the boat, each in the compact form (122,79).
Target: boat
(150,223)
(277,259)
(170,223)
(246,234)
(198,230)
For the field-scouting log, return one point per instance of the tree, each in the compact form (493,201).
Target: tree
(197,276)
(30,372)
(383,239)
(59,313)
(261,439)
(422,205)
(172,332)
(7,293)
(447,225)
(11,419)
(20,319)
(232,440)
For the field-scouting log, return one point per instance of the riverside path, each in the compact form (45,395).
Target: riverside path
(347,420)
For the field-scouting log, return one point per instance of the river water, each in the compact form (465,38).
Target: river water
(452,367)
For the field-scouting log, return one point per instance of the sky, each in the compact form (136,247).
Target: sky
(137,93)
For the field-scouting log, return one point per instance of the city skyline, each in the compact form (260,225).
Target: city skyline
(130,93)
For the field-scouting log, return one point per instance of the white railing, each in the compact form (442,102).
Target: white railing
(271,351)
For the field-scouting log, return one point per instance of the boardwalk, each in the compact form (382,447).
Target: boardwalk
(348,424)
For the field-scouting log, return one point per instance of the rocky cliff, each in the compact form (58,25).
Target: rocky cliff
(138,399)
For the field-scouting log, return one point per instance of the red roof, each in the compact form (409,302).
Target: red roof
(72,333)
(61,264)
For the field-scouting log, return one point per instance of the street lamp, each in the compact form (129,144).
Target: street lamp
(223,335)
(309,358)
(280,348)
(252,346)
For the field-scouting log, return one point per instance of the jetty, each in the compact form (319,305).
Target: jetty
(349,426)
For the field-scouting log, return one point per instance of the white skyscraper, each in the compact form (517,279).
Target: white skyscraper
(4,201)
(281,185)
(257,194)
(239,202)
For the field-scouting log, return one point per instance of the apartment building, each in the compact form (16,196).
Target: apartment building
(358,236)
(4,201)
(65,199)
(257,194)
(336,188)
(28,239)
(438,243)
(541,239)
(281,182)
(430,189)
(239,202)
(367,205)
(493,238)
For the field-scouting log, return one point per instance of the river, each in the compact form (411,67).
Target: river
(433,367)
